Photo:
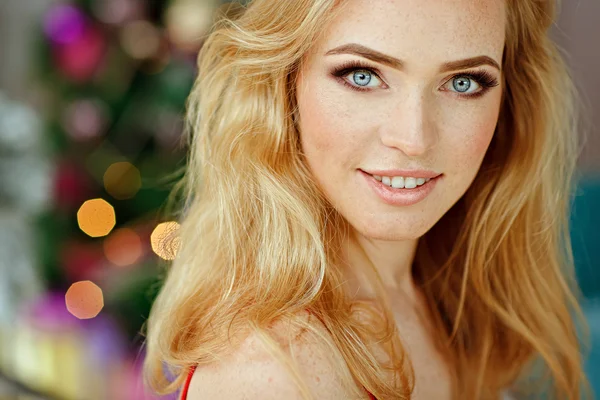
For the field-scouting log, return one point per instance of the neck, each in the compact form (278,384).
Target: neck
(391,259)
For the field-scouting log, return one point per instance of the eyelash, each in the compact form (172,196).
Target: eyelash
(483,78)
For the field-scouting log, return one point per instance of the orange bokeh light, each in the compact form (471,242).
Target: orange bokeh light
(96,217)
(84,300)
(123,247)
(165,241)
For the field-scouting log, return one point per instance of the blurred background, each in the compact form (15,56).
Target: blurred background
(92,95)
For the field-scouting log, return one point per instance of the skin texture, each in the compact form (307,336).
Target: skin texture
(411,119)
(252,373)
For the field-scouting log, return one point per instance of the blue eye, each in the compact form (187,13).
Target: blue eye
(483,81)
(472,84)
(356,76)
(462,83)
(362,77)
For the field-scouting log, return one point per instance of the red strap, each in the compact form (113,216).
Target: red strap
(186,387)
(189,379)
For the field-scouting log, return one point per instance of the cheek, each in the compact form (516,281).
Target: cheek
(477,143)
(326,132)
(471,141)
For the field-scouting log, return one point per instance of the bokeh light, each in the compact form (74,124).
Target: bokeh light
(123,247)
(122,180)
(64,24)
(96,217)
(140,39)
(165,240)
(85,119)
(118,11)
(81,59)
(187,21)
(84,300)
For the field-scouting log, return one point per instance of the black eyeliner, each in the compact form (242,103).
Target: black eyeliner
(352,66)
(485,79)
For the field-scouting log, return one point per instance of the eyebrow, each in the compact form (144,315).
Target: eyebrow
(373,55)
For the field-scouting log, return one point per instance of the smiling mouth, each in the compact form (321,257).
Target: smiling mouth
(402,191)
(401,182)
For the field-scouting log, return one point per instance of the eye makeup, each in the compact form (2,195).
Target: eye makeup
(485,79)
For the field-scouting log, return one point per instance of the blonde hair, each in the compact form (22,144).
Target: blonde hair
(260,242)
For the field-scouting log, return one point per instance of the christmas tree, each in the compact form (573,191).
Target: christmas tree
(114,77)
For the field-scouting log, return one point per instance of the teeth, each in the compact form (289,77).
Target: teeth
(410,183)
(400,182)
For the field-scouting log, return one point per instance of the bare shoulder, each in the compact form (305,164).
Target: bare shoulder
(251,372)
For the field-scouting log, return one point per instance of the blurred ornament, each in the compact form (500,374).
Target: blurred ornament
(20,281)
(47,347)
(140,39)
(123,247)
(48,312)
(79,60)
(85,119)
(187,21)
(25,170)
(96,217)
(20,127)
(97,159)
(81,260)
(84,299)
(25,186)
(122,180)
(64,24)
(105,339)
(165,240)
(118,12)
(71,186)
(105,346)
(26,182)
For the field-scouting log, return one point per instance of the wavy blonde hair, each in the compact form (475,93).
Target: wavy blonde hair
(260,242)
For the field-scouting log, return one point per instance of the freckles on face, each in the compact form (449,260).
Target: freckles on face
(407,118)
(332,130)
(468,134)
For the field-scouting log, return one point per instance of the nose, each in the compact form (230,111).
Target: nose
(411,127)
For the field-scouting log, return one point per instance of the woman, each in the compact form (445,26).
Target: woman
(376,206)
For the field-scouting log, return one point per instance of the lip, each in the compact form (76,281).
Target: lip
(401,197)
(415,173)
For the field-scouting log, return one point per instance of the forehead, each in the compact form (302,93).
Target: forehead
(421,31)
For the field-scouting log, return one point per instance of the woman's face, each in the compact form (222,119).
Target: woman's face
(414,108)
